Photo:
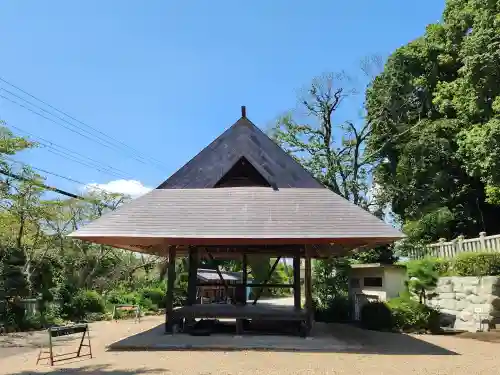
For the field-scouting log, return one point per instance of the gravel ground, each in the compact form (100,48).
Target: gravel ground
(384,354)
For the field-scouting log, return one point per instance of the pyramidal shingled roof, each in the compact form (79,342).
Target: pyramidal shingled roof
(242,140)
(288,206)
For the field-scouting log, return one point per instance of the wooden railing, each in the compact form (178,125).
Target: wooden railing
(449,249)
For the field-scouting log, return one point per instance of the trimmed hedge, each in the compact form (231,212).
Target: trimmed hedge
(464,264)
(476,264)
(410,316)
(443,266)
(400,314)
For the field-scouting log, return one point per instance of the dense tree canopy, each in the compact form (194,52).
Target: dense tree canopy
(436,125)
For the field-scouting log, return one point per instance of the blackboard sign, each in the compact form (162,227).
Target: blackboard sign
(67,330)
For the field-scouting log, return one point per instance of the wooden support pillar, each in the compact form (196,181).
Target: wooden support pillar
(192,275)
(308,290)
(243,291)
(170,290)
(244,270)
(296,282)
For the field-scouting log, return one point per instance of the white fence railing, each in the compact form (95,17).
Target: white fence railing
(449,249)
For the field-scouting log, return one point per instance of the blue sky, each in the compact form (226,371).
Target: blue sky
(167,77)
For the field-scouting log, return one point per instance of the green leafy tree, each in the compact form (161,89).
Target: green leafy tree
(380,254)
(423,278)
(11,144)
(330,280)
(434,116)
(13,286)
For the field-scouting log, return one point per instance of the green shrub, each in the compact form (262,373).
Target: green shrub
(477,264)
(155,295)
(146,298)
(121,297)
(115,297)
(410,316)
(376,316)
(96,317)
(146,304)
(39,321)
(464,264)
(442,266)
(33,322)
(337,310)
(87,301)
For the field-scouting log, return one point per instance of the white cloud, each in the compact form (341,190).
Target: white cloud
(132,188)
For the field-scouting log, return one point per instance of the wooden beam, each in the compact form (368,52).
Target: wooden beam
(297,303)
(192,275)
(308,290)
(169,308)
(259,292)
(266,285)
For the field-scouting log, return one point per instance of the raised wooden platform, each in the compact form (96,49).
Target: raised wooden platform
(262,311)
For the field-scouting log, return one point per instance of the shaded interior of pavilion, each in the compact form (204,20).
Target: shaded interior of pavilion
(241,315)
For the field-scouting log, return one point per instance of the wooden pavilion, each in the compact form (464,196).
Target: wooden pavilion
(241,196)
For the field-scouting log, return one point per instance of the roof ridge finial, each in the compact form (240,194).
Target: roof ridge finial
(243,111)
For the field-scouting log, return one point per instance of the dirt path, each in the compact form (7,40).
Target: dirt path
(387,354)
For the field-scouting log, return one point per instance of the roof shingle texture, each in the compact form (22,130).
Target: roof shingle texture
(239,212)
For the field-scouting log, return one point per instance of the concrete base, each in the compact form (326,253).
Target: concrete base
(155,339)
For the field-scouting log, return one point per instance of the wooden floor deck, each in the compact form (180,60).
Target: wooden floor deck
(227,311)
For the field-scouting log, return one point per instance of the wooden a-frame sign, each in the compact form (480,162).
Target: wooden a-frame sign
(65,331)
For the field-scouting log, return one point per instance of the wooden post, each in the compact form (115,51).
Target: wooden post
(296,282)
(441,247)
(308,290)
(461,243)
(244,270)
(51,350)
(192,275)
(482,241)
(170,290)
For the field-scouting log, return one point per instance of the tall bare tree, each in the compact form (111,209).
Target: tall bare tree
(329,146)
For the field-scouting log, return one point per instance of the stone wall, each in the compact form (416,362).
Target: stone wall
(467,303)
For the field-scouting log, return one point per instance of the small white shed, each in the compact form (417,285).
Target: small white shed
(375,282)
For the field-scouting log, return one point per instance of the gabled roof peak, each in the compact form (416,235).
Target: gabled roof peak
(242,139)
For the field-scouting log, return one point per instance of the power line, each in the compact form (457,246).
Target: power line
(130,150)
(51,188)
(54,121)
(101,139)
(109,145)
(65,152)
(72,158)
(74,119)
(53,174)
